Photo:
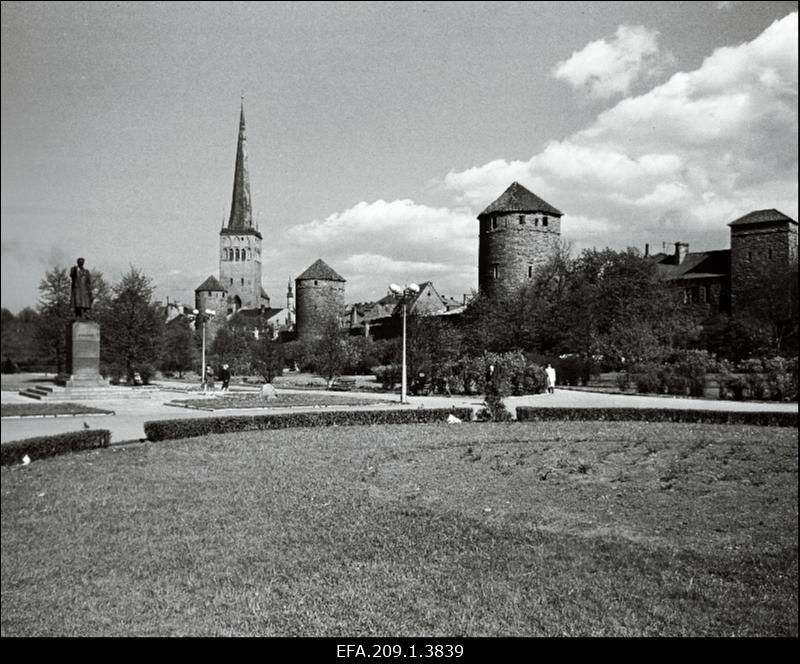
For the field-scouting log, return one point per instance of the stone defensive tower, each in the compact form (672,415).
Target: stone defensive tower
(518,232)
(319,295)
(240,240)
(763,245)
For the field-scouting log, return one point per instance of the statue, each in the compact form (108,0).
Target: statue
(81,294)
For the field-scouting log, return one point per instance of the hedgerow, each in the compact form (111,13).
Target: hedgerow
(532,414)
(157,430)
(47,446)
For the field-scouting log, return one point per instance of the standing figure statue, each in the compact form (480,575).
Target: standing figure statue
(81,294)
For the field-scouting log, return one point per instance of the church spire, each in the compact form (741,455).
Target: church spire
(241,218)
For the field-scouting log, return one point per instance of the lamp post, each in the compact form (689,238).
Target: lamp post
(404,293)
(203,317)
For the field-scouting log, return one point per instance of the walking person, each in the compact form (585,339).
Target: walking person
(209,378)
(225,377)
(551,379)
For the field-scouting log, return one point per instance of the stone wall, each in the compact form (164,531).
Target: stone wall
(316,300)
(241,277)
(510,250)
(757,251)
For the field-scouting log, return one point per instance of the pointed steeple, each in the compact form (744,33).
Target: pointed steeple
(241,218)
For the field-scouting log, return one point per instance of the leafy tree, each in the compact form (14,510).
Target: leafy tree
(19,339)
(231,345)
(179,349)
(266,356)
(131,328)
(331,353)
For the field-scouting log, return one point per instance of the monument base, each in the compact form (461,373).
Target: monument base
(83,357)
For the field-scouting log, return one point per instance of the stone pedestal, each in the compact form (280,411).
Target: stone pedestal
(83,356)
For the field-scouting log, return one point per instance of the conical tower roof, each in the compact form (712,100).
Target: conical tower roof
(320,270)
(241,218)
(518,199)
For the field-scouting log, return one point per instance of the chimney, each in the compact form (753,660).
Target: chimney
(681,249)
(646,250)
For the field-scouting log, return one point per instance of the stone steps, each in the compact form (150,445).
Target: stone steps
(56,393)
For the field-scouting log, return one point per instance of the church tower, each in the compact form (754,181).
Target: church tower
(240,240)
(518,233)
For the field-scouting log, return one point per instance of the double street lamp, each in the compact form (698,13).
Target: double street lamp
(202,318)
(404,292)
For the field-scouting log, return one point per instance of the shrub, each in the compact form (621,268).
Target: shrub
(46,446)
(9,366)
(174,429)
(388,375)
(494,410)
(623,381)
(757,418)
(647,378)
(573,370)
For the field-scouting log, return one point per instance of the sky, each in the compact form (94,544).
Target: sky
(377,132)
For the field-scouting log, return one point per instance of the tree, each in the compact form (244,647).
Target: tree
(131,328)
(56,313)
(179,350)
(266,356)
(19,339)
(231,346)
(331,354)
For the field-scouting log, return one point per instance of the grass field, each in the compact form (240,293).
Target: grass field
(44,409)
(233,400)
(422,530)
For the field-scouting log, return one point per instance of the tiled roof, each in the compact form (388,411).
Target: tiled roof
(695,265)
(320,270)
(518,199)
(210,284)
(762,217)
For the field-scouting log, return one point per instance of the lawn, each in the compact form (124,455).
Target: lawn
(524,529)
(49,409)
(233,400)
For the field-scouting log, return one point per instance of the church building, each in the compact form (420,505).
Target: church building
(239,283)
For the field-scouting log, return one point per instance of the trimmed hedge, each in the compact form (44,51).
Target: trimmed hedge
(531,414)
(174,429)
(47,446)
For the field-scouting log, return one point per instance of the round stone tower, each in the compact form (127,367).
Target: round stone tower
(518,233)
(319,296)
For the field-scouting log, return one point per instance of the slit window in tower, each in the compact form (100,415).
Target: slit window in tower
(544,221)
(522,219)
(495,271)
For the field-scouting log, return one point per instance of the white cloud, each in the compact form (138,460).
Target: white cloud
(608,67)
(374,244)
(687,156)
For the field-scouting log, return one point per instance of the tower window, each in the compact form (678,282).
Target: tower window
(209,293)
(769,254)
(495,271)
(242,281)
(521,219)
(749,255)
(494,223)
(231,281)
(544,221)
(530,271)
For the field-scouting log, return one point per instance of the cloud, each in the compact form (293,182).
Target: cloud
(373,244)
(688,156)
(609,67)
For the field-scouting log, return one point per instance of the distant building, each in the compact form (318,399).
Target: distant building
(518,233)
(763,242)
(319,293)
(239,283)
